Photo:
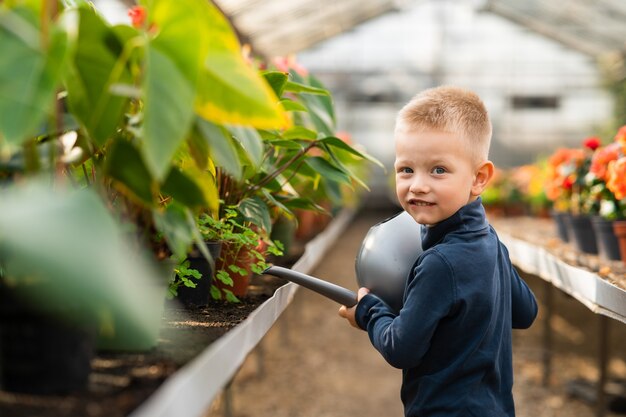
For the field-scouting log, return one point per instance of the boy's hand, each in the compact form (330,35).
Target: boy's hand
(348,313)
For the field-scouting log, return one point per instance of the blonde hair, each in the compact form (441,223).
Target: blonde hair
(450,109)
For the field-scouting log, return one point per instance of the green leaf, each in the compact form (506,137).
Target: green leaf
(97,64)
(300,132)
(64,250)
(327,170)
(290,105)
(250,141)
(221,147)
(256,211)
(276,80)
(183,189)
(198,149)
(29,74)
(172,223)
(295,87)
(168,111)
(338,143)
(125,165)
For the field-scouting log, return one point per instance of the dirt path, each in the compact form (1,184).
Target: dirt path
(312,364)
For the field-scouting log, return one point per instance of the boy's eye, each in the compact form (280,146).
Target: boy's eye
(439,170)
(405,170)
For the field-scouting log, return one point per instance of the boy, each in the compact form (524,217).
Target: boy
(452,338)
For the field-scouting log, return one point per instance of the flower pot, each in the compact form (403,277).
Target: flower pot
(582,234)
(608,245)
(242,259)
(562,228)
(200,295)
(619,227)
(40,354)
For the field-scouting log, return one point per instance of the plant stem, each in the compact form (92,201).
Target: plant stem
(260,184)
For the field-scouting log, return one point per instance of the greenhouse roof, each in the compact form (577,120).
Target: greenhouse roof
(279,27)
(594,27)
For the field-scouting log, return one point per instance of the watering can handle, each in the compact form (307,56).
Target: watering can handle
(336,293)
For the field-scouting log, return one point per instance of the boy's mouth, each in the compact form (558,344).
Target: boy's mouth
(420,203)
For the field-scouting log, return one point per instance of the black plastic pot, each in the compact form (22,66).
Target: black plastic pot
(201,294)
(582,234)
(608,245)
(40,354)
(562,228)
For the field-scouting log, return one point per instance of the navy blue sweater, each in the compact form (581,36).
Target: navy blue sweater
(452,338)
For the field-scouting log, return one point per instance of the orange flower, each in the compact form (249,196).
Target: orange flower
(620,137)
(601,159)
(561,172)
(137,16)
(617,178)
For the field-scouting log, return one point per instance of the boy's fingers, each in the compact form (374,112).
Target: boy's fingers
(362,292)
(343,310)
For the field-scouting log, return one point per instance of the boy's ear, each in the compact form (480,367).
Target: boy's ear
(482,177)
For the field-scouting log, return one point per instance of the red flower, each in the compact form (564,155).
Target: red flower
(137,16)
(568,182)
(592,143)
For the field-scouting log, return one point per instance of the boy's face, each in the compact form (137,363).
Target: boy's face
(435,174)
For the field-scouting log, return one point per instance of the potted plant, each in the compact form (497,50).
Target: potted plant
(561,175)
(609,206)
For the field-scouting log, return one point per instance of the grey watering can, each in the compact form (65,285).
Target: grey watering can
(385,258)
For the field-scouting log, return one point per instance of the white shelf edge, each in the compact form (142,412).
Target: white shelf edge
(597,294)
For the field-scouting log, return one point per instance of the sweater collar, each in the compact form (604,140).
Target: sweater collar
(470,217)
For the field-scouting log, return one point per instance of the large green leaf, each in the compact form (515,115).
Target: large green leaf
(97,64)
(168,111)
(63,248)
(183,189)
(174,59)
(173,223)
(231,91)
(125,165)
(29,74)
(221,147)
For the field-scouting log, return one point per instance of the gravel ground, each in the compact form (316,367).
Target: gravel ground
(312,364)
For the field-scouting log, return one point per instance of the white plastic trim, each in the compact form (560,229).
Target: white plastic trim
(597,294)
(190,390)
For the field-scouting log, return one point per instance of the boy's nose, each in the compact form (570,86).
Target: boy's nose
(419,185)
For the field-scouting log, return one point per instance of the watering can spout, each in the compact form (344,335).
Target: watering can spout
(336,293)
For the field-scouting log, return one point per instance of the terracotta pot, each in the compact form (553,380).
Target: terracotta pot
(608,245)
(582,234)
(619,227)
(243,259)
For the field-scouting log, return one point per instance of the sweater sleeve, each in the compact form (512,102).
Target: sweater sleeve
(523,303)
(403,339)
